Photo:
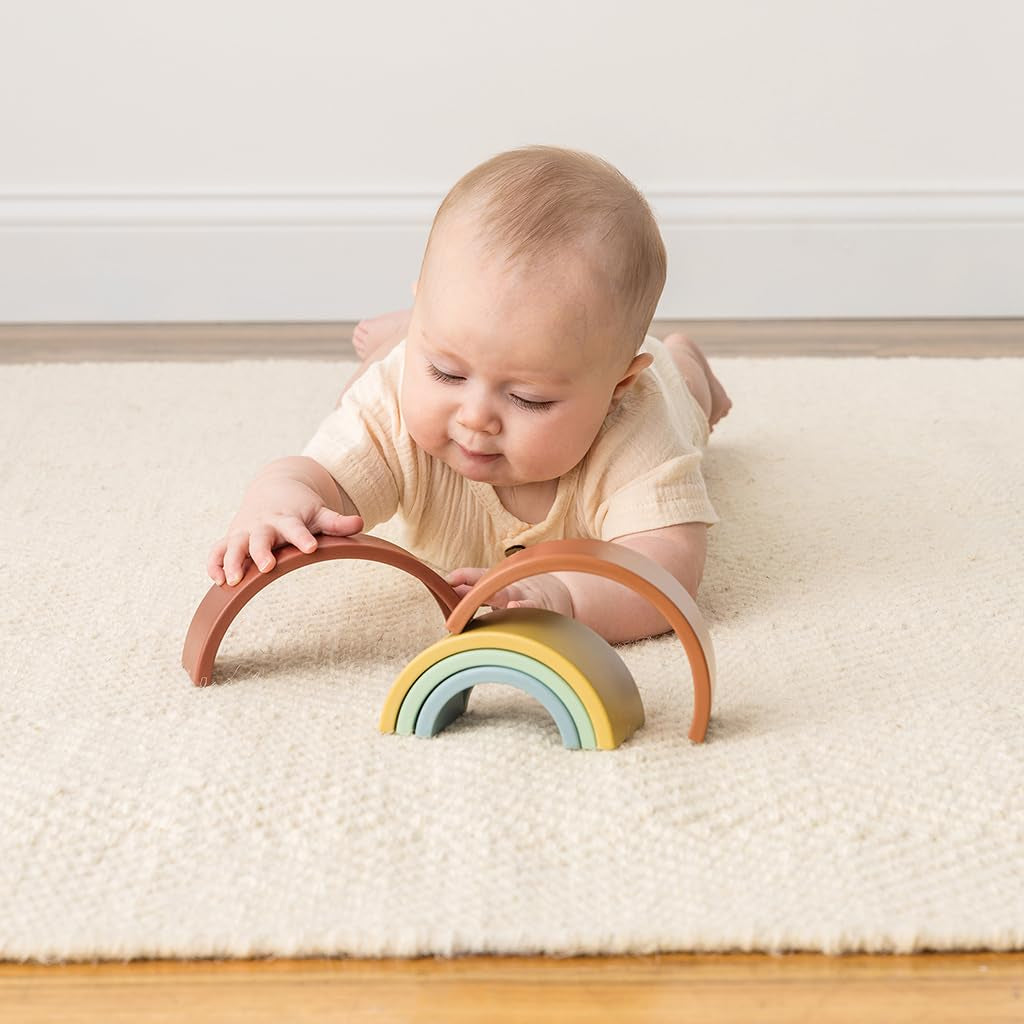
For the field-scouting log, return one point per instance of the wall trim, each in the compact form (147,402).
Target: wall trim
(803,251)
(698,205)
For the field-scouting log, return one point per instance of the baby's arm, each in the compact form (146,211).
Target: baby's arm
(613,610)
(620,614)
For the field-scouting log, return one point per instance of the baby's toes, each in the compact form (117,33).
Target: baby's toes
(360,339)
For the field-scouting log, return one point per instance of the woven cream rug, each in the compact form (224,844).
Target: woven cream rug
(861,787)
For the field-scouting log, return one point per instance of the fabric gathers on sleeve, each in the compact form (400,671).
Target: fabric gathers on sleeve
(356,444)
(670,493)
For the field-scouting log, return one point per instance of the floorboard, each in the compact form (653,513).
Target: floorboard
(676,988)
(21,343)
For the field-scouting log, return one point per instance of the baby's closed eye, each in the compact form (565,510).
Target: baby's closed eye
(523,403)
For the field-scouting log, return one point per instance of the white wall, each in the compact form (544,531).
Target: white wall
(243,160)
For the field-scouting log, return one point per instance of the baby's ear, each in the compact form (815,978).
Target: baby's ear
(635,368)
(640,363)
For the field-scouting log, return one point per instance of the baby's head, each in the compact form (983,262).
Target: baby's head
(540,278)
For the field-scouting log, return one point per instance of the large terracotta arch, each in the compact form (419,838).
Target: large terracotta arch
(222,603)
(619,563)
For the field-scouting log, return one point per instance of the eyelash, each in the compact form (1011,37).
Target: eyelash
(447,378)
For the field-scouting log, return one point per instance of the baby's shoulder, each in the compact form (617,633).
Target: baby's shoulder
(380,384)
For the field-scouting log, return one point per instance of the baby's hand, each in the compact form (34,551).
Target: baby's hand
(274,512)
(544,591)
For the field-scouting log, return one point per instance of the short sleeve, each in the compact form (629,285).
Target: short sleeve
(356,445)
(643,471)
(670,493)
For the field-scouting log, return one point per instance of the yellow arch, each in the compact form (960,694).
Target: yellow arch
(582,658)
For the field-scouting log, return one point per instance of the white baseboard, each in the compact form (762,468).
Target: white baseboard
(733,254)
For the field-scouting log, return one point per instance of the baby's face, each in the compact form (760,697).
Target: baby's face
(508,378)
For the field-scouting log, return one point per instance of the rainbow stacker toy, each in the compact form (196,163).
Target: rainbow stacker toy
(576,674)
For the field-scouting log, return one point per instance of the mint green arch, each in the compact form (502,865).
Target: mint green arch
(483,656)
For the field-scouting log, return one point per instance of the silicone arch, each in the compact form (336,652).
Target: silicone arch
(445,702)
(450,665)
(615,562)
(218,609)
(573,661)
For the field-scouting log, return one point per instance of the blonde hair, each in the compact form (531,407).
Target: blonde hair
(531,204)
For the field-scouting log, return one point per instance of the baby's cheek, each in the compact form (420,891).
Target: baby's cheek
(536,448)
(548,428)
(426,432)
(536,457)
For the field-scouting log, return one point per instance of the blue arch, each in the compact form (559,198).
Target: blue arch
(447,701)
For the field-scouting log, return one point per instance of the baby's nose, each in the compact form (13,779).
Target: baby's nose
(477,415)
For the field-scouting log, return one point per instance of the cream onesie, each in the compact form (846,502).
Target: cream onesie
(642,472)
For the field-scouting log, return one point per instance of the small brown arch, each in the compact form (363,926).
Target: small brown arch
(623,565)
(222,603)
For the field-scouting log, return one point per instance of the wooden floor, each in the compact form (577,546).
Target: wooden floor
(981,988)
(198,342)
(984,987)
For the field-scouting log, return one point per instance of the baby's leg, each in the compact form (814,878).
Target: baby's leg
(380,332)
(703,384)
(386,329)
(373,339)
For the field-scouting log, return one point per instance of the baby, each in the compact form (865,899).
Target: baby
(519,400)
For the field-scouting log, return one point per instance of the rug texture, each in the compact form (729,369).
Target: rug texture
(861,788)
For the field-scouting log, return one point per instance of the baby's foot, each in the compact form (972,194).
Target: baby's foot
(721,403)
(380,332)
(377,332)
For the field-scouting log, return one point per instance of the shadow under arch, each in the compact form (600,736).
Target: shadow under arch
(623,565)
(222,604)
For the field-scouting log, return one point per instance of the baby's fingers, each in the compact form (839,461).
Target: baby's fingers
(336,524)
(215,561)
(261,546)
(235,556)
(295,531)
(466,575)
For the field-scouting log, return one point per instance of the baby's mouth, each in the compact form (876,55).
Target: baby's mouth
(477,456)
